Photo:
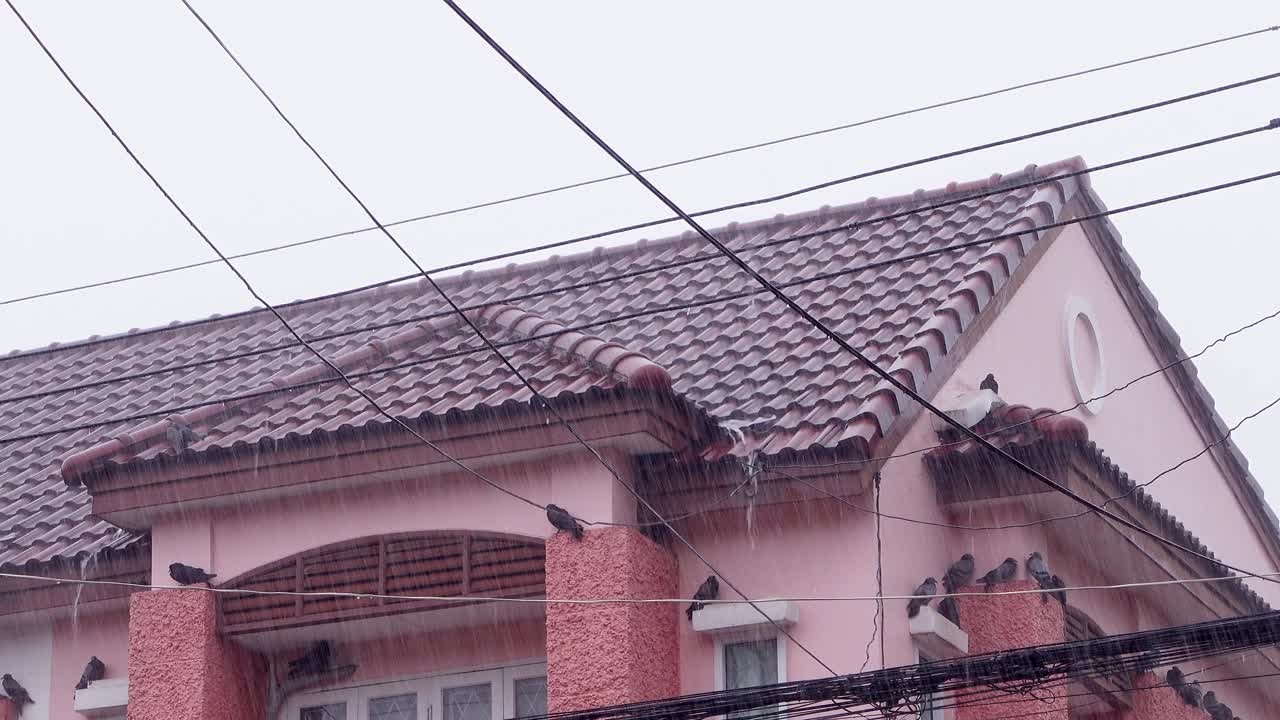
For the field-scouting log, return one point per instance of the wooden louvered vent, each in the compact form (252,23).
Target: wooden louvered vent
(1111,689)
(451,566)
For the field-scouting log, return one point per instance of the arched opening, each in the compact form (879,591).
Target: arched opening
(380,576)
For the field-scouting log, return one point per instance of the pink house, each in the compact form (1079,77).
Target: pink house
(223,445)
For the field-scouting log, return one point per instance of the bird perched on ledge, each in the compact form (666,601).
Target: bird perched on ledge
(17,694)
(560,519)
(1003,573)
(708,590)
(923,595)
(95,670)
(188,575)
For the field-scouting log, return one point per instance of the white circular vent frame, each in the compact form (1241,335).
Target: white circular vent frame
(1079,309)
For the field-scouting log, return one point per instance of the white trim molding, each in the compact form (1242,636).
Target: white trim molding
(106,698)
(1080,309)
(936,636)
(736,617)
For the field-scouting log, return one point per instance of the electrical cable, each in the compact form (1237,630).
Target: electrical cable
(503,358)
(615,601)
(663,166)
(606,279)
(809,318)
(248,286)
(1030,523)
(659,308)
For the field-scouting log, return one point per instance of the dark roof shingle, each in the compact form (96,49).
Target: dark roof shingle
(747,363)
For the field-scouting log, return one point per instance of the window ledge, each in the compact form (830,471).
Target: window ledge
(741,616)
(107,698)
(937,636)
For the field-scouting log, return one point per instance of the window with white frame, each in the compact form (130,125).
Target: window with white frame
(509,692)
(745,661)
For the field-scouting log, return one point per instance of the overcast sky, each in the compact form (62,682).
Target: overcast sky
(419,116)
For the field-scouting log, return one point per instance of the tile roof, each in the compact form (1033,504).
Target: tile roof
(1024,428)
(747,363)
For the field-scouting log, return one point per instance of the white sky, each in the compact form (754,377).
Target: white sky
(419,116)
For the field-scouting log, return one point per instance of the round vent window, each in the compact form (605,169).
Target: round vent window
(1085,358)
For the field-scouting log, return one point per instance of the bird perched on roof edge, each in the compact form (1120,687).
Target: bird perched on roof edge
(1003,573)
(95,670)
(989,383)
(16,693)
(708,590)
(560,519)
(189,575)
(923,595)
(180,436)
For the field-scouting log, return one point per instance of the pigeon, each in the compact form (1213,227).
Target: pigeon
(1175,678)
(187,575)
(1039,571)
(1005,572)
(180,436)
(1216,710)
(923,595)
(95,670)
(989,383)
(1191,694)
(950,609)
(708,590)
(16,693)
(959,574)
(1061,594)
(313,662)
(562,520)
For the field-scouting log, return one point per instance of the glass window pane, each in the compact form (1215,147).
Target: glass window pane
(749,664)
(396,707)
(333,711)
(470,702)
(531,697)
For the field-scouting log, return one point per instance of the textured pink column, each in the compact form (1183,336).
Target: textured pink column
(1005,622)
(180,668)
(608,654)
(7,710)
(1154,700)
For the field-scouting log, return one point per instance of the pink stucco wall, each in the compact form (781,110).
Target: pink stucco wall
(180,667)
(609,654)
(415,654)
(1144,429)
(75,640)
(234,540)
(795,549)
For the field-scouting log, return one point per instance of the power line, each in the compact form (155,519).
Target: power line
(1119,388)
(619,601)
(248,286)
(504,359)
(663,166)
(659,308)
(809,318)
(1030,523)
(607,278)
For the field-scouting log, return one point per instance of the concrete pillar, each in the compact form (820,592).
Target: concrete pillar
(179,667)
(609,654)
(1006,622)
